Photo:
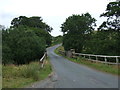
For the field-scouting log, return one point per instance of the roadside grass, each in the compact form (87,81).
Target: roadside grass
(58,49)
(56,40)
(112,69)
(0,76)
(55,43)
(23,75)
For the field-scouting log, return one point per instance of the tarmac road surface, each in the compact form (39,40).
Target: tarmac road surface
(67,74)
(71,75)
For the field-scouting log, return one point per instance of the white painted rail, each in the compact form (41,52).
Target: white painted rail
(42,59)
(89,57)
(97,56)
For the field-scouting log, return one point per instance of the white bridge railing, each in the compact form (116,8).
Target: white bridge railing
(43,59)
(106,60)
(91,57)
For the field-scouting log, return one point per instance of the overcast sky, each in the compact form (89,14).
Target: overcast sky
(53,12)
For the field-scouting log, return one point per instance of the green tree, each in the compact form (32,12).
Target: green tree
(7,56)
(43,34)
(113,17)
(112,25)
(77,30)
(25,40)
(101,43)
(21,45)
(36,22)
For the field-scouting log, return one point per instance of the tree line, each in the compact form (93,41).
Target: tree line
(79,32)
(25,41)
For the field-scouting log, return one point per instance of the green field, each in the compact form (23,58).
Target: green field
(21,76)
(112,69)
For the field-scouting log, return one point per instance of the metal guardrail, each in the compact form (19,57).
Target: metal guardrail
(43,59)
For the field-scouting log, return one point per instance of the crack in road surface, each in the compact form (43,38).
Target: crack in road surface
(68,74)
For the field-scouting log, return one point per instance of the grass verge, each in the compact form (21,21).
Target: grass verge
(21,76)
(112,69)
(0,76)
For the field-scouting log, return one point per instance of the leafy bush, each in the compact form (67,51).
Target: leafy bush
(25,40)
(103,42)
(21,45)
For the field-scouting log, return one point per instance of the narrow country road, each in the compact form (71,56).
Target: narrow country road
(71,75)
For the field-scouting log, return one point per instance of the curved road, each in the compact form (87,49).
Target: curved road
(71,75)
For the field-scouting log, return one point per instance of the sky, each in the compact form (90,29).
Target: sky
(53,12)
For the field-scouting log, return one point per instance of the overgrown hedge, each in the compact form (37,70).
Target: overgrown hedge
(22,45)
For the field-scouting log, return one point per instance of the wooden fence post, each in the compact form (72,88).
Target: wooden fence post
(72,52)
(105,59)
(117,61)
(96,59)
(89,57)
(84,56)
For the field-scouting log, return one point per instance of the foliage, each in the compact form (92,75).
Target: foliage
(21,45)
(20,76)
(60,48)
(113,17)
(43,34)
(77,30)
(36,22)
(102,42)
(111,40)
(78,24)
(57,40)
(25,41)
(79,34)
(31,71)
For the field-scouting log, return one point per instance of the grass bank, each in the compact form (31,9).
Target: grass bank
(112,69)
(21,76)
(0,76)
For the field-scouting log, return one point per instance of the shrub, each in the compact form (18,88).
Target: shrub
(21,45)
(31,71)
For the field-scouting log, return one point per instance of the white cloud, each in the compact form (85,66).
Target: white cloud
(53,12)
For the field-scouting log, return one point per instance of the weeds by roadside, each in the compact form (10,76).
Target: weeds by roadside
(0,76)
(20,76)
